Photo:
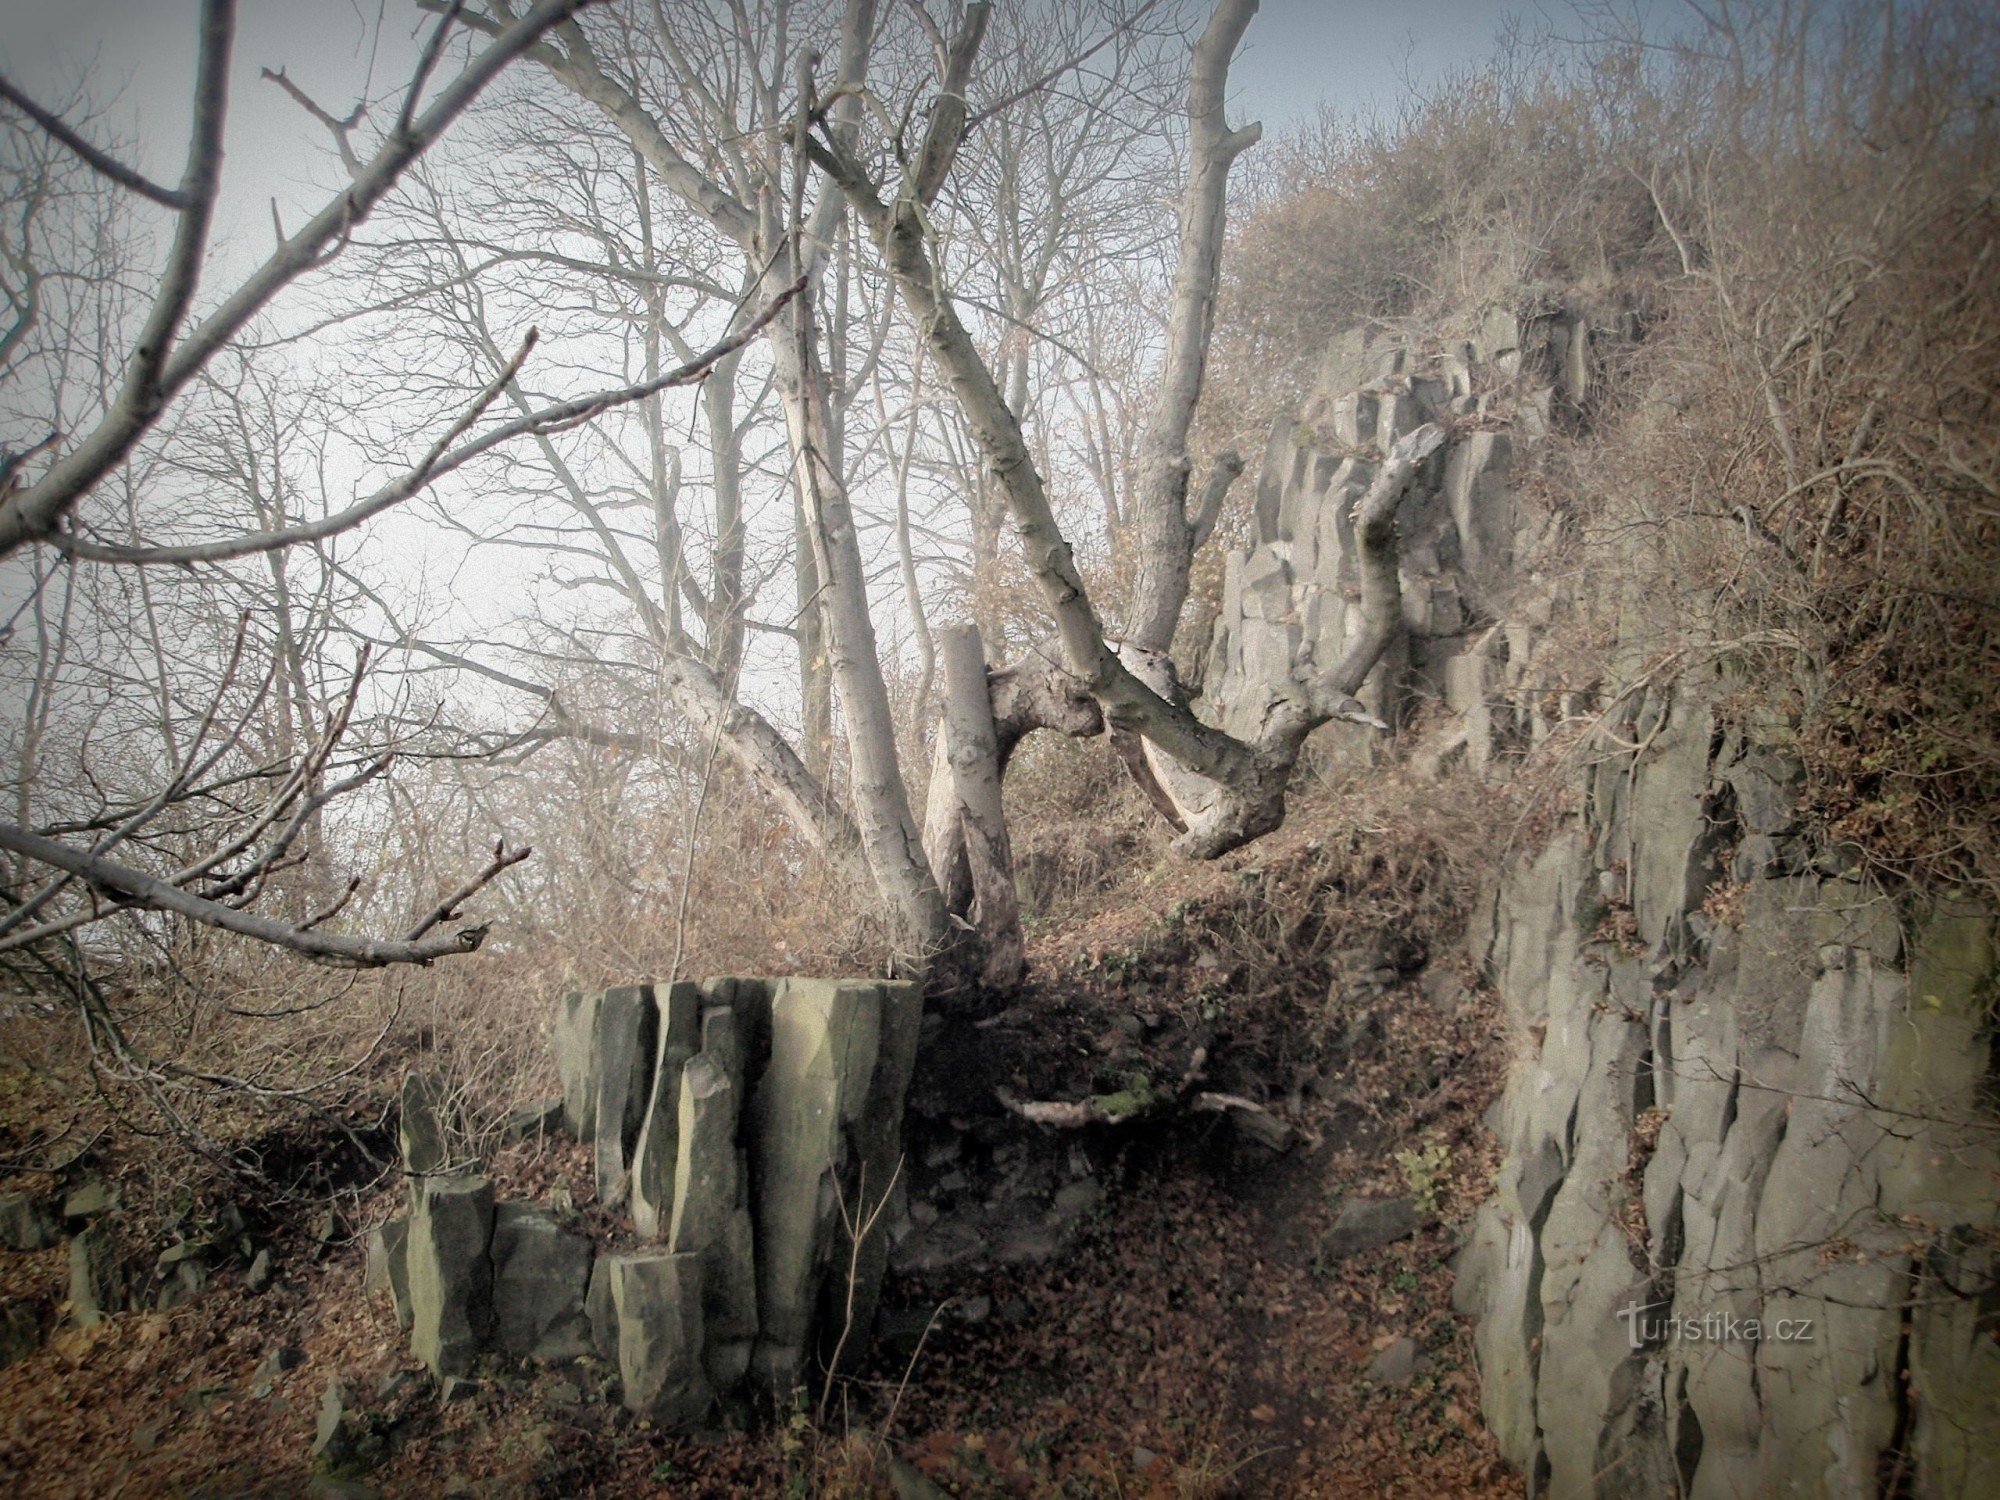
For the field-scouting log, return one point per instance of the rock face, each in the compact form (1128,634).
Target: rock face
(1291,592)
(1368,1224)
(814,1086)
(182,1275)
(1742,1159)
(627,1020)
(451,1277)
(540,1275)
(96,1276)
(388,1266)
(647,1308)
(420,1125)
(678,1029)
(1748,1214)
(575,1044)
(90,1201)
(690,1096)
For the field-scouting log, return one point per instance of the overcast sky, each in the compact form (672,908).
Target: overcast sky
(1353,54)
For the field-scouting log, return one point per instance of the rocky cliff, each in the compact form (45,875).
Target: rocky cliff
(1742,1241)
(1743,1237)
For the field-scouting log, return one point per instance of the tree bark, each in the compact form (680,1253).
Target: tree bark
(1033,695)
(726,597)
(1166,537)
(881,801)
(763,754)
(1127,702)
(972,760)
(815,682)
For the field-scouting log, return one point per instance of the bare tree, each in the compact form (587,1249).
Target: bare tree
(1247,781)
(242,845)
(190,363)
(704,176)
(708,102)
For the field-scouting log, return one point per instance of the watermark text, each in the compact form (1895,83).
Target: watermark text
(1648,1325)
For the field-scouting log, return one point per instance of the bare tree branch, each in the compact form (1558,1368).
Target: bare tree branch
(438,462)
(98,161)
(159,368)
(155,894)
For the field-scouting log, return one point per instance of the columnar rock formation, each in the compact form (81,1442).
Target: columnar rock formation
(1291,593)
(1746,1237)
(1744,1240)
(753,1127)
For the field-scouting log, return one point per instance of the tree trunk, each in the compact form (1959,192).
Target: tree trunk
(881,802)
(972,765)
(727,602)
(1159,503)
(751,741)
(944,833)
(815,682)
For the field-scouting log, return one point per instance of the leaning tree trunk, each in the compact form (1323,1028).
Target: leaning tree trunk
(965,792)
(881,803)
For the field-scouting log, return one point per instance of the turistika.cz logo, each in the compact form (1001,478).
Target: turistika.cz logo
(1651,1325)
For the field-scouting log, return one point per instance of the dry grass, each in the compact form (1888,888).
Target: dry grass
(1792,481)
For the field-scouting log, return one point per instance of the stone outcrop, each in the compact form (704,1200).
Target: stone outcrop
(540,1274)
(97,1281)
(812,1092)
(688,1095)
(1746,1220)
(181,1275)
(627,1021)
(1746,1232)
(711,1214)
(1291,592)
(450,1274)
(678,1029)
(387,1268)
(1368,1224)
(646,1314)
(27,1222)
(420,1125)
(574,1042)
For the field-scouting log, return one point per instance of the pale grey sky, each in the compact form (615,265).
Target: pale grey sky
(1352,54)
(1357,54)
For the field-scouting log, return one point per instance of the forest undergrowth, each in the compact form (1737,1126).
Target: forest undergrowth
(1190,1339)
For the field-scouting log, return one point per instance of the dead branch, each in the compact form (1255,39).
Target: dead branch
(152,893)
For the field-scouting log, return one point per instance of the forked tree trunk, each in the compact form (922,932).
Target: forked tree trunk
(1036,694)
(1166,536)
(967,792)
